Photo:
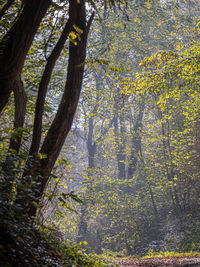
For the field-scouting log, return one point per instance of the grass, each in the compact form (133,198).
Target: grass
(153,254)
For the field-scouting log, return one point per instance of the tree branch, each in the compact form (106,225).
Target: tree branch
(37,129)
(16,43)
(5,8)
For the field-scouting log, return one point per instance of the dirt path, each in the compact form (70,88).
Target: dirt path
(167,261)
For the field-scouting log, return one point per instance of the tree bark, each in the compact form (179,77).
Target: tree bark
(20,110)
(136,142)
(37,129)
(6,185)
(64,117)
(65,114)
(91,145)
(16,43)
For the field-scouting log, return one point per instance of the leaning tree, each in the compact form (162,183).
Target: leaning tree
(14,47)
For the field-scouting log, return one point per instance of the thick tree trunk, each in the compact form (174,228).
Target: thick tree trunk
(64,117)
(6,186)
(20,110)
(37,129)
(16,43)
(136,142)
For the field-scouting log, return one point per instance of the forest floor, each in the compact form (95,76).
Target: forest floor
(160,261)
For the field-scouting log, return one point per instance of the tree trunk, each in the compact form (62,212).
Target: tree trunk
(83,222)
(65,114)
(43,86)
(5,8)
(91,145)
(119,131)
(8,167)
(61,125)
(20,110)
(169,168)
(136,142)
(16,43)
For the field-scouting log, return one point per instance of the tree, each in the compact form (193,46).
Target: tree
(144,216)
(11,44)
(12,57)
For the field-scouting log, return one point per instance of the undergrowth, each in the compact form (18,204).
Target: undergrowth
(25,243)
(152,254)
